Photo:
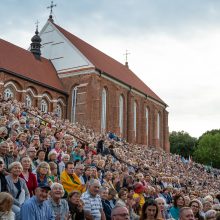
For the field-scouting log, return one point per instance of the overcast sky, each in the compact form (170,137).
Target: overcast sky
(174,46)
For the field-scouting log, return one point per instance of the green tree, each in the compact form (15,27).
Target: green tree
(182,143)
(208,149)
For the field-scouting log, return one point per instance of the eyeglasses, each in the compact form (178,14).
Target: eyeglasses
(195,206)
(122,214)
(45,168)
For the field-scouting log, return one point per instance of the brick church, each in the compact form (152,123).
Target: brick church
(62,73)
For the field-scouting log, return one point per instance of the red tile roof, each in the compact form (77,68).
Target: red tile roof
(108,65)
(23,63)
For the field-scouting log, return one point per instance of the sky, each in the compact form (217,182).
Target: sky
(174,46)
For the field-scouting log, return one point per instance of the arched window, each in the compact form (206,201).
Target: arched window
(44,105)
(135,119)
(158,125)
(74,100)
(28,101)
(59,110)
(147,123)
(104,110)
(121,113)
(8,93)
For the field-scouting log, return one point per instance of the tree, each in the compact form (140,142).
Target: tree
(208,149)
(182,143)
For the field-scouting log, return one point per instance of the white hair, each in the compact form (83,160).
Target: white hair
(65,155)
(57,185)
(16,163)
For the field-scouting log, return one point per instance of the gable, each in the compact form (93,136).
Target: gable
(64,55)
(109,66)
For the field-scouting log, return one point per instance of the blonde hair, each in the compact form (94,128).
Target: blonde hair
(41,165)
(6,202)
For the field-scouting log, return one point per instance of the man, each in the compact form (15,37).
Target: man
(186,213)
(31,152)
(93,204)
(70,179)
(46,146)
(36,207)
(58,205)
(120,213)
(4,151)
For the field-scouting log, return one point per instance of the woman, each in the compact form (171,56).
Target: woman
(196,206)
(6,202)
(53,172)
(76,206)
(163,213)
(149,210)
(123,196)
(17,187)
(27,175)
(40,157)
(64,159)
(43,172)
(178,203)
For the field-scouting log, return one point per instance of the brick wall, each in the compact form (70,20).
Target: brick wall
(89,108)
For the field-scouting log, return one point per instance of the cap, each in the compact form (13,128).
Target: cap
(44,186)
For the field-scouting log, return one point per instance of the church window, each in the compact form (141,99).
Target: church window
(158,125)
(28,101)
(59,110)
(121,113)
(8,93)
(135,119)
(147,123)
(44,106)
(104,110)
(74,102)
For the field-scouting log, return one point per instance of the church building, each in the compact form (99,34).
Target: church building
(61,72)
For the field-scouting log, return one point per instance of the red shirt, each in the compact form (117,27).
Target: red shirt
(31,183)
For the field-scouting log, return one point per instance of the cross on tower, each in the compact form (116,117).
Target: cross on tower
(126,57)
(51,7)
(37,22)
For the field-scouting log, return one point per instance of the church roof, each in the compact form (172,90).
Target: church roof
(108,65)
(24,64)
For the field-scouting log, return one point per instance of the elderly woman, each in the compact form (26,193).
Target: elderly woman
(64,159)
(163,213)
(27,175)
(58,205)
(76,206)
(17,187)
(43,172)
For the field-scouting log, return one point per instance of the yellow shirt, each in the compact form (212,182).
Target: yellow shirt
(142,199)
(71,183)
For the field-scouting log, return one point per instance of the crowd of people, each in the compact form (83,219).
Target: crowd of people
(51,168)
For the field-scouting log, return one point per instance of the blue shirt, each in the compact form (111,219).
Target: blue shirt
(34,210)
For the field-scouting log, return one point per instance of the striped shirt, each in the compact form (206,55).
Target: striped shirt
(93,205)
